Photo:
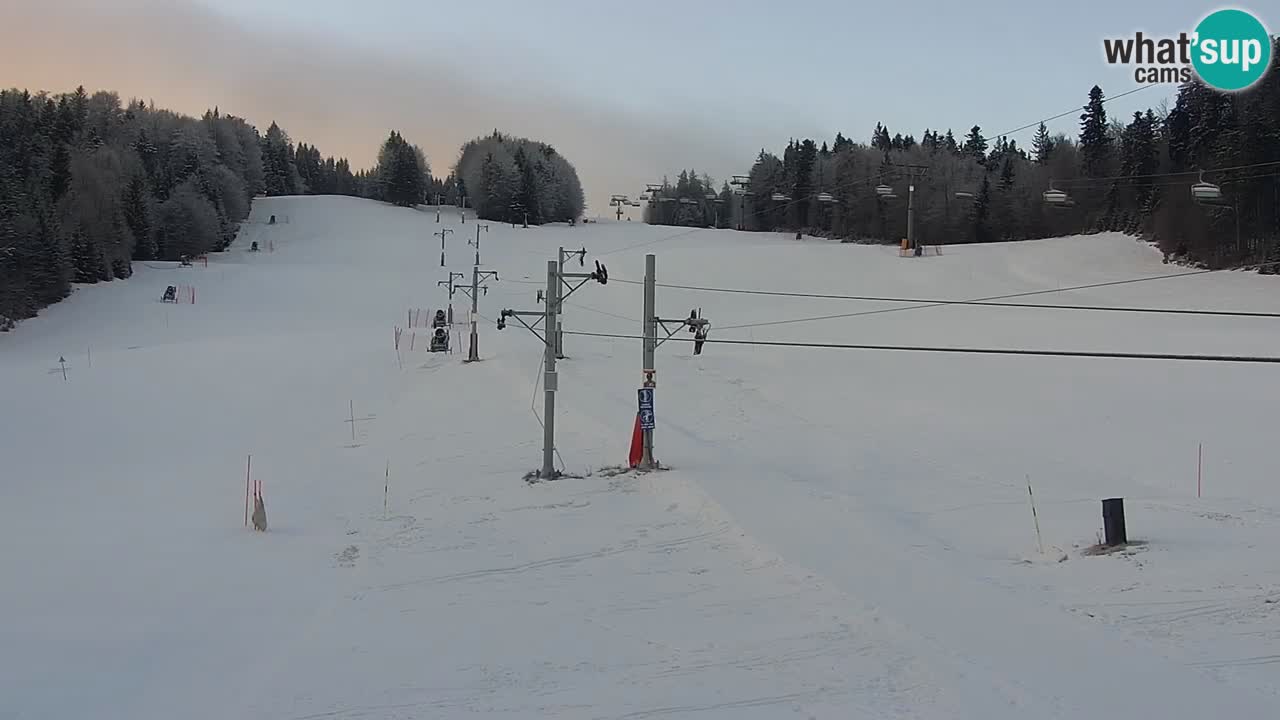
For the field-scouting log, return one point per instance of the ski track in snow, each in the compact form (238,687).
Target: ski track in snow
(841,535)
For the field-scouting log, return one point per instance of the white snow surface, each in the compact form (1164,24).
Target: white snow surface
(843,533)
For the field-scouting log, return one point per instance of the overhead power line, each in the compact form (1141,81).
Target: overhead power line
(1009,296)
(1073,181)
(965,350)
(1078,108)
(985,302)
(878,176)
(1075,109)
(653,242)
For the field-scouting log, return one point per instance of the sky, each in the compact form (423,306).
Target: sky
(628,92)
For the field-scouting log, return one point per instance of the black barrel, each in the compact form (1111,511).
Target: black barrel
(1113,522)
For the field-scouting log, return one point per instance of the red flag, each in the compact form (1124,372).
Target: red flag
(637,444)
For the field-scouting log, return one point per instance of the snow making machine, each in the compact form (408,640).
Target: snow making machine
(440,339)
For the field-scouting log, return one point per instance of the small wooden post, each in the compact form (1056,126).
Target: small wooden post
(1199,469)
(1035,517)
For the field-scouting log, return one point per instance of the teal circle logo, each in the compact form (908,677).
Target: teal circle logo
(1232,50)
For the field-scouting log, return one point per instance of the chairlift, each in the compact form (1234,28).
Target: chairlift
(1056,197)
(779,197)
(885,192)
(1205,192)
(964,195)
(1221,203)
(825,197)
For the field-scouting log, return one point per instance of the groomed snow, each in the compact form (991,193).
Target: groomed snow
(845,534)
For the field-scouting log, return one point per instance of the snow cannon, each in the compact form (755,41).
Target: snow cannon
(440,340)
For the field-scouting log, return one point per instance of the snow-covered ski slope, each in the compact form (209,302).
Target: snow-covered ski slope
(845,533)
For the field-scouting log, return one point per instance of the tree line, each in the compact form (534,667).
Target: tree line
(1131,174)
(89,185)
(517,180)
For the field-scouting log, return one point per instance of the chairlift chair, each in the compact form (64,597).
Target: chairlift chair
(1206,193)
(885,192)
(1057,198)
(779,197)
(1203,192)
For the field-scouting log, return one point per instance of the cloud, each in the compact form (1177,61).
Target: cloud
(344,100)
